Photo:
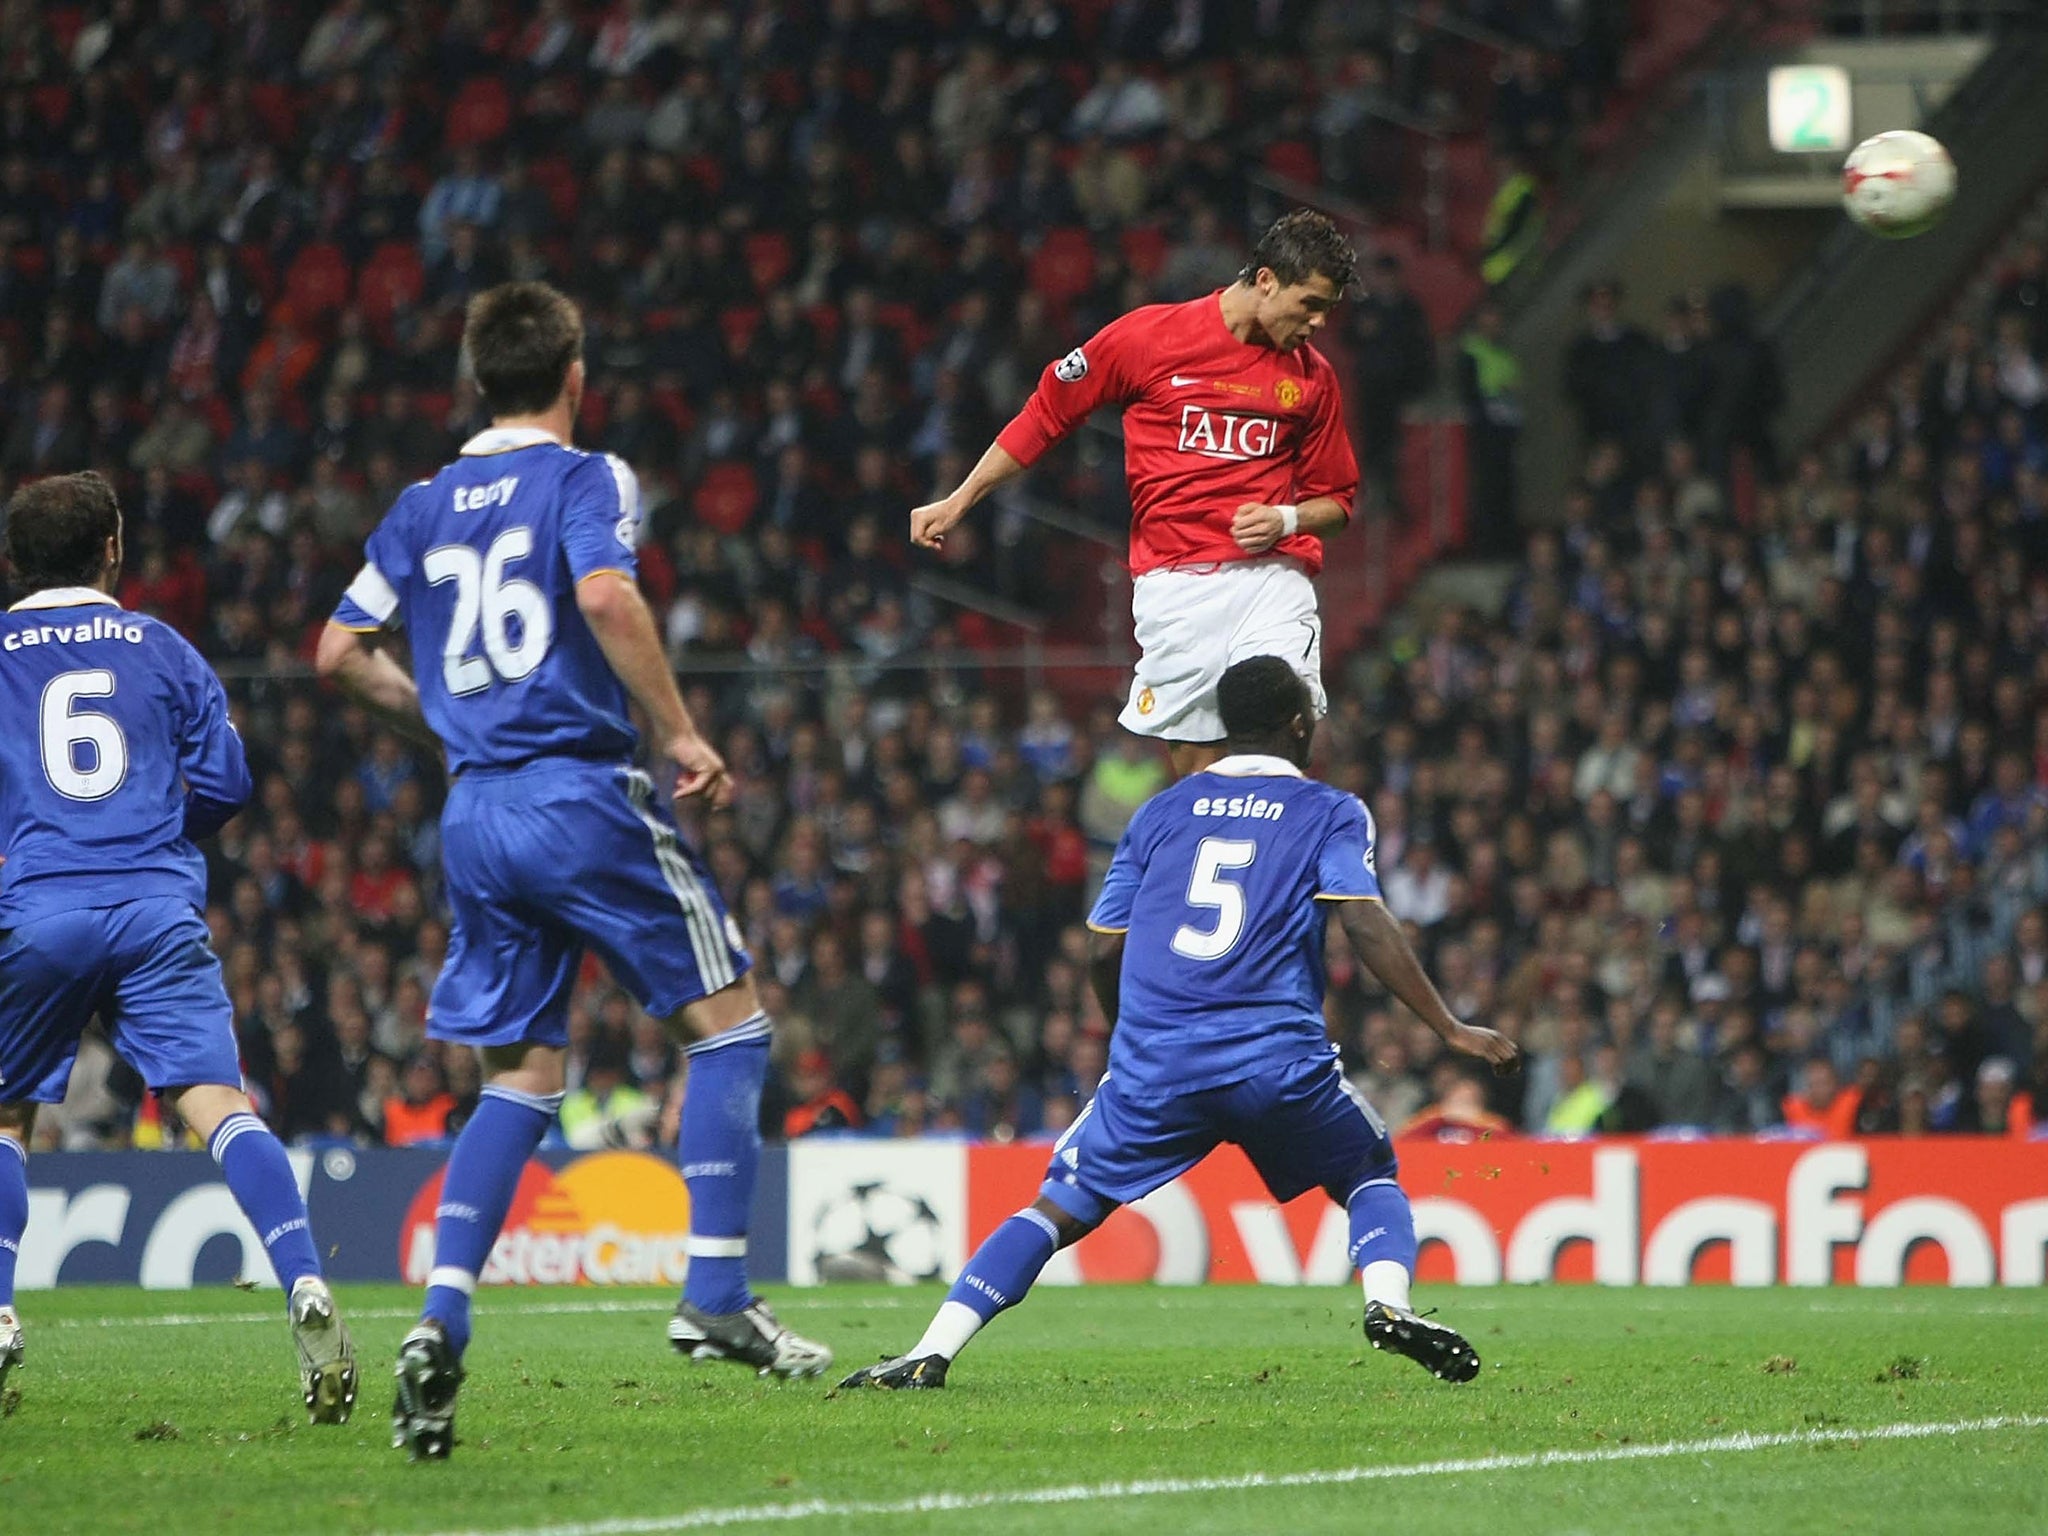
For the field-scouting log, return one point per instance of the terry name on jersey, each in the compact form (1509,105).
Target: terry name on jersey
(99,627)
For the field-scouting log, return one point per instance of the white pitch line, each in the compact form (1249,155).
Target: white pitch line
(1083,1493)
(375,1314)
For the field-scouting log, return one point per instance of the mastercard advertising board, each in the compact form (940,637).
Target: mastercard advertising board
(1955,1211)
(610,1218)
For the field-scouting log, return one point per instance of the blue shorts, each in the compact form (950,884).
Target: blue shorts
(1302,1125)
(147,968)
(546,860)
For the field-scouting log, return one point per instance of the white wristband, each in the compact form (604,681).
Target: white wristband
(1290,521)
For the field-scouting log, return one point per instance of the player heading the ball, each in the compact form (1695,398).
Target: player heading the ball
(1208,956)
(1239,467)
(117,754)
(513,570)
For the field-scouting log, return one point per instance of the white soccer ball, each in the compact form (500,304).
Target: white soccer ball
(1898,184)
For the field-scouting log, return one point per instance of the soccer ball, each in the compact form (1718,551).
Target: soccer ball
(876,1233)
(1898,184)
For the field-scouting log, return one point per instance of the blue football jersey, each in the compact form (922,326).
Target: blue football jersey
(1218,884)
(117,752)
(479,565)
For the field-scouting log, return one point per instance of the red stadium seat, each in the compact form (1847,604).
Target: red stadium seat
(1144,247)
(318,281)
(727,496)
(555,176)
(597,410)
(480,113)
(1064,267)
(1296,160)
(706,172)
(738,326)
(276,109)
(53,103)
(669,400)
(769,259)
(390,280)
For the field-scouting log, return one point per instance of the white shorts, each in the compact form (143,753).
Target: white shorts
(1193,624)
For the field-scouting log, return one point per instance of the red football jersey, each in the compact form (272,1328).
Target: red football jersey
(1210,423)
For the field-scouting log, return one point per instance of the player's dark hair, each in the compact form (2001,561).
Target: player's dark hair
(522,337)
(1301,245)
(57,531)
(1259,698)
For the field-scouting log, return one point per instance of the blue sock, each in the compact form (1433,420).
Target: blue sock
(13,1211)
(476,1192)
(1383,1232)
(720,1152)
(259,1176)
(1000,1274)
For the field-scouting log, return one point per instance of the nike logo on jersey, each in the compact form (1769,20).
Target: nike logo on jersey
(1180,383)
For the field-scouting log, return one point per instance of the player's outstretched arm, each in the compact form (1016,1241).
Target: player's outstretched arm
(1387,954)
(355,661)
(211,757)
(930,523)
(617,615)
(1106,969)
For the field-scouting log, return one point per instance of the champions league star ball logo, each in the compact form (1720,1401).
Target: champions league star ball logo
(872,1232)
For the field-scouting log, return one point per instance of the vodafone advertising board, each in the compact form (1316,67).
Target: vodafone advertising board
(1623,1212)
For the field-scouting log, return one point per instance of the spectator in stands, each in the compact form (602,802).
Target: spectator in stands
(1490,386)
(820,1103)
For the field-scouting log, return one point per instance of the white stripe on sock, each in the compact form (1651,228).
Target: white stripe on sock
(241,1123)
(453,1278)
(715,1247)
(545,1103)
(1043,1222)
(758,1027)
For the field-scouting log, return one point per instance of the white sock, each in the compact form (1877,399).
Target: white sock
(1387,1282)
(952,1326)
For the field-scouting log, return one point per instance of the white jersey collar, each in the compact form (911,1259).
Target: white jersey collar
(64,597)
(1253,765)
(505,439)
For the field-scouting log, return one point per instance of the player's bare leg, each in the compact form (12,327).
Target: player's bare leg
(17,1122)
(725,1042)
(253,1161)
(994,1280)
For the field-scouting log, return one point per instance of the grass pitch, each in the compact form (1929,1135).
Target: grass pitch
(1597,1410)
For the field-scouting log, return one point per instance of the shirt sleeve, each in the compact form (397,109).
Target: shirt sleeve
(216,769)
(1347,868)
(601,518)
(1099,372)
(371,601)
(1119,893)
(1325,465)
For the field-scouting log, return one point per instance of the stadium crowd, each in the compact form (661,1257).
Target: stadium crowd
(1733,824)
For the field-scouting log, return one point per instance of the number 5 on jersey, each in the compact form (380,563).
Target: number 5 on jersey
(485,599)
(1207,888)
